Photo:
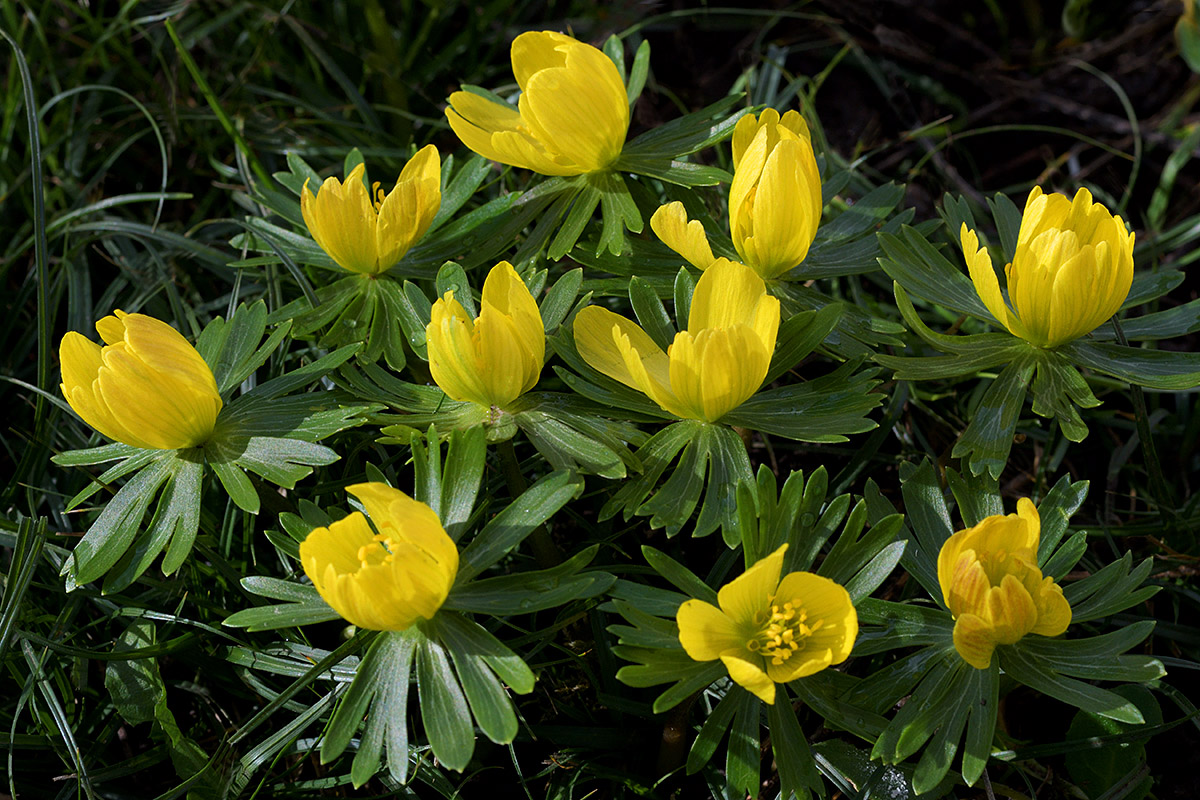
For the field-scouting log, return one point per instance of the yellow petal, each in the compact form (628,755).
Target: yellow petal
(750,676)
(148,387)
(728,293)
(688,239)
(831,612)
(973,639)
(705,631)
(505,291)
(778,227)
(1010,610)
(579,110)
(747,598)
(718,370)
(342,219)
(597,334)
(385,582)
(408,210)
(453,360)
(1054,612)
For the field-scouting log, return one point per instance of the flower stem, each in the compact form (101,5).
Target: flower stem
(545,551)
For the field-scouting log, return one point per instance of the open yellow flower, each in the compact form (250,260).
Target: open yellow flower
(770,631)
(147,387)
(572,115)
(1072,269)
(774,200)
(992,585)
(382,581)
(495,358)
(367,236)
(712,367)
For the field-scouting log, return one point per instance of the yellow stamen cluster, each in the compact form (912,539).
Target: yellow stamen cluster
(784,630)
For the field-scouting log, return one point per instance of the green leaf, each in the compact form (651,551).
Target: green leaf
(387,721)
(489,703)
(444,710)
(1154,369)
(1037,674)
(452,278)
(984,698)
(682,136)
(824,409)
(1099,770)
(285,615)
(797,770)
(978,496)
(237,486)
(1055,512)
(904,625)
(638,72)
(461,477)
(929,519)
(1112,589)
(651,314)
(921,269)
(986,442)
(678,575)
(560,298)
(742,754)
(510,527)
(113,531)
(799,335)
(526,592)
(1099,657)
(714,728)
(470,637)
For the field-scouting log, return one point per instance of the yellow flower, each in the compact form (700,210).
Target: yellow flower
(147,387)
(370,237)
(774,200)
(992,585)
(382,581)
(770,631)
(495,358)
(573,112)
(712,367)
(1071,272)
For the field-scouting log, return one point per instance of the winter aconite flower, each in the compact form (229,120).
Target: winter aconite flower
(495,358)
(774,200)
(147,387)
(368,232)
(1072,269)
(992,585)
(387,577)
(571,118)
(770,631)
(712,367)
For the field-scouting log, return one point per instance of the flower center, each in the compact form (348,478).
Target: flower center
(783,631)
(378,552)
(379,194)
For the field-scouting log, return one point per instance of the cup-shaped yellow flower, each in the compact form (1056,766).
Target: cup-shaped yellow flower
(146,387)
(368,232)
(774,200)
(775,197)
(992,585)
(496,357)
(770,631)
(1072,269)
(388,580)
(712,367)
(572,115)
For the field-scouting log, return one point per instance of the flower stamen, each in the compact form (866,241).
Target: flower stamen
(784,631)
